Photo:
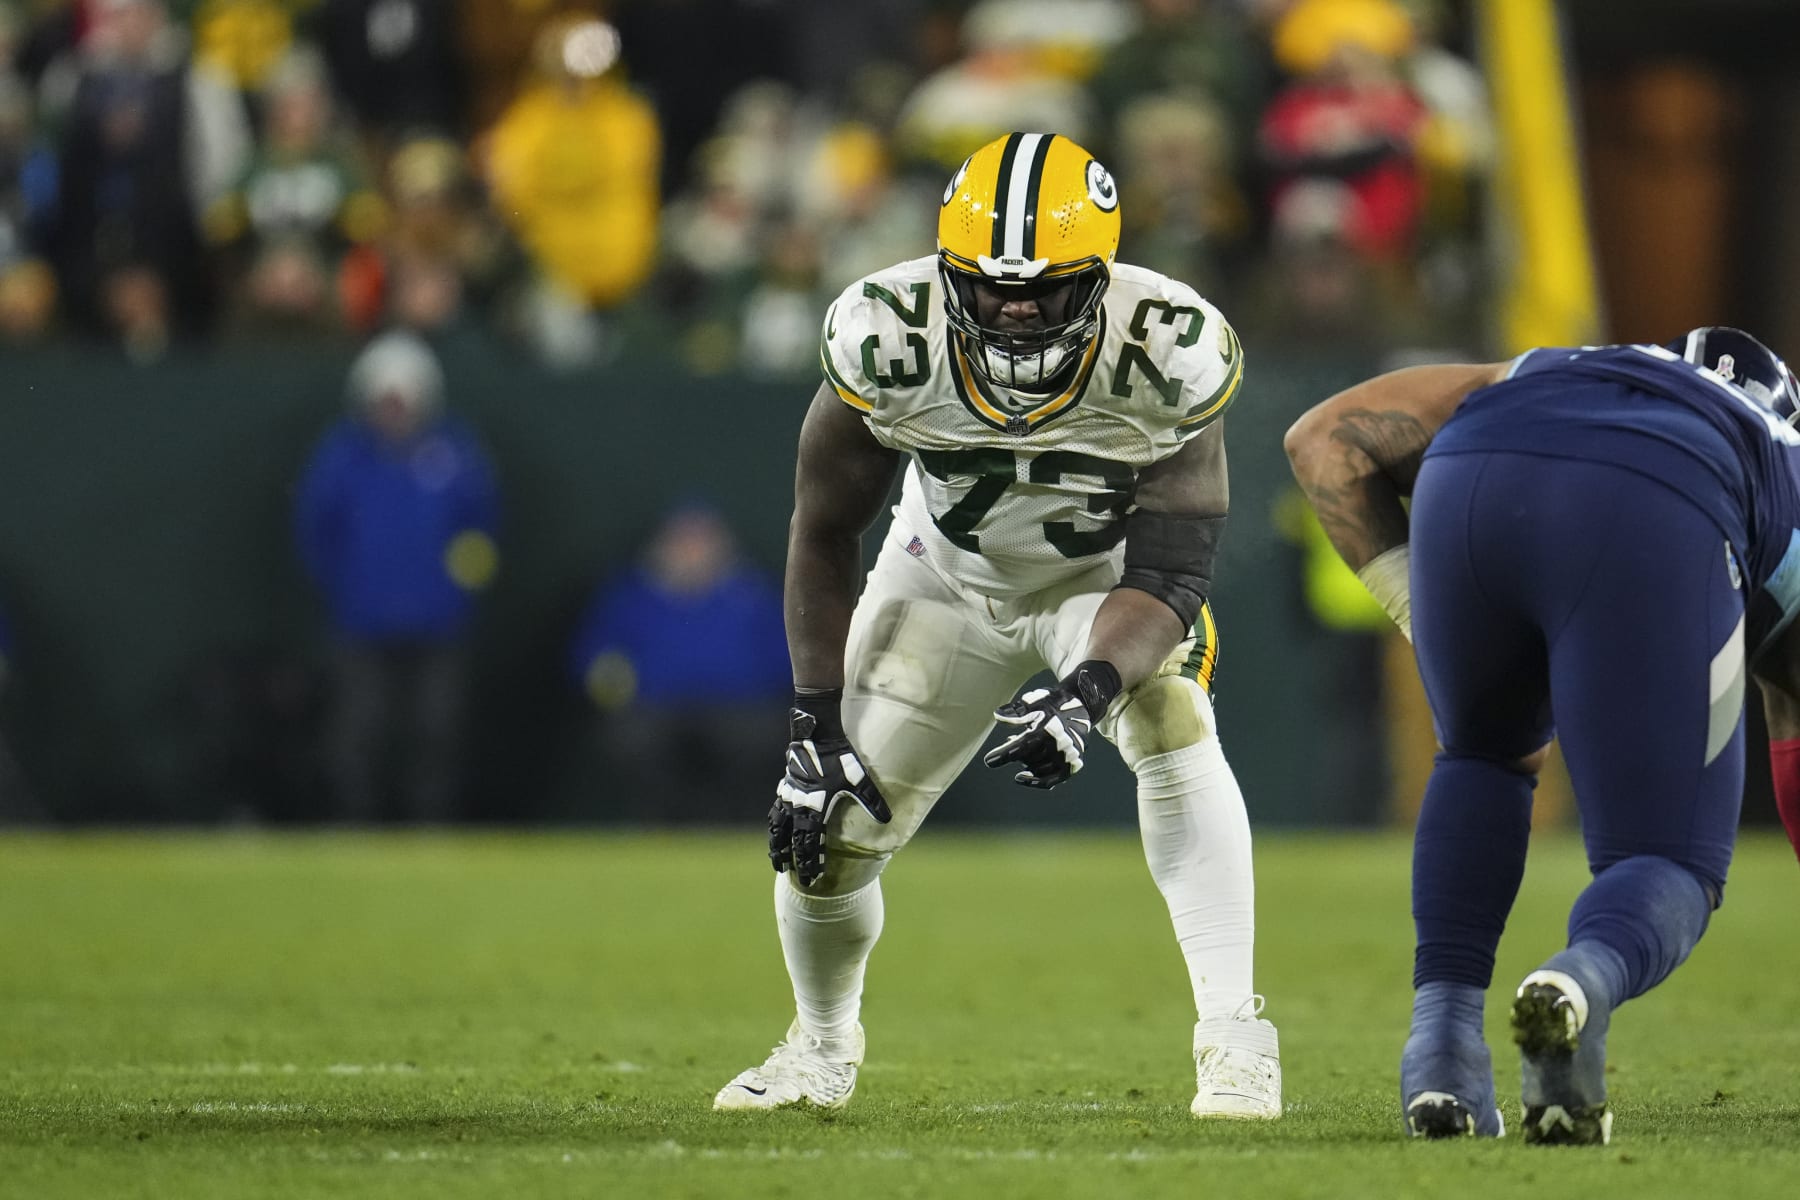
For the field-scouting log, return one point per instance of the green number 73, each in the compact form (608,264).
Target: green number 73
(996,470)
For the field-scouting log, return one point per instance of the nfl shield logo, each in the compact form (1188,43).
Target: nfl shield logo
(916,548)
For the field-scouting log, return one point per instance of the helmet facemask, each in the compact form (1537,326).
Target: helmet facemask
(1034,354)
(1029,217)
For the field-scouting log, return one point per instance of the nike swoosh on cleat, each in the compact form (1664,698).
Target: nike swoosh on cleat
(754,1091)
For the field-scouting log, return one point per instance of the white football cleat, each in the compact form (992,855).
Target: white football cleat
(1237,1064)
(799,1071)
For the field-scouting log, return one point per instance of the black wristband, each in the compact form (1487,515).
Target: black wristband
(824,709)
(1096,681)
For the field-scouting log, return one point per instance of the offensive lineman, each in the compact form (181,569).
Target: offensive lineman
(1062,507)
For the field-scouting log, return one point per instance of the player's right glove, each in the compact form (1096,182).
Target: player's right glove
(1052,725)
(822,769)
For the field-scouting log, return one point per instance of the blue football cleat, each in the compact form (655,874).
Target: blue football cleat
(1441,1115)
(1562,1062)
(1447,1088)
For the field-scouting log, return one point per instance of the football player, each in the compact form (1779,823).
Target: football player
(1611,533)
(1058,416)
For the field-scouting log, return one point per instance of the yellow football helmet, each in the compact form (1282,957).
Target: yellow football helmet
(1033,217)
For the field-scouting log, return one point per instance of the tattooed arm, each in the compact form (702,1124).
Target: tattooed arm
(1358,453)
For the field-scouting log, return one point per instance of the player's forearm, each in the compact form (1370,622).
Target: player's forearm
(1356,454)
(1135,632)
(1362,515)
(818,596)
(1360,511)
(1357,501)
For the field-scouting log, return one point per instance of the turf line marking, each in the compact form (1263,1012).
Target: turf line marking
(620,1067)
(257,1068)
(1025,1154)
(390,1156)
(668,1150)
(1001,1106)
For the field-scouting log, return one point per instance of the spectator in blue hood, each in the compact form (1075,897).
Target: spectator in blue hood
(396,519)
(684,656)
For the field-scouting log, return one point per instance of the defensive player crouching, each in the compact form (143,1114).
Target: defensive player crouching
(1603,544)
(1065,492)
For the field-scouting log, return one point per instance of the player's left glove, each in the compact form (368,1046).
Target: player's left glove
(1053,724)
(822,769)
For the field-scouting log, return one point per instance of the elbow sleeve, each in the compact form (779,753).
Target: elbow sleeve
(1171,557)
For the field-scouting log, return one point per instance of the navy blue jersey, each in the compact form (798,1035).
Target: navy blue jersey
(1644,408)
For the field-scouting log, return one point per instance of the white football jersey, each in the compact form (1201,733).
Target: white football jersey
(1006,492)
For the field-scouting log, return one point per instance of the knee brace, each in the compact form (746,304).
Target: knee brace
(1160,716)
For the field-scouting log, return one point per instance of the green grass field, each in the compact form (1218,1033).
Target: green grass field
(537,1016)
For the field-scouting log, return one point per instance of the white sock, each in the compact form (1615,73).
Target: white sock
(826,941)
(1197,842)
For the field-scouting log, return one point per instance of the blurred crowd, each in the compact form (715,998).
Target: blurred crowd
(585,179)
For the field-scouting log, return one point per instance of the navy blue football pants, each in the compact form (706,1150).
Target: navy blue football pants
(1585,600)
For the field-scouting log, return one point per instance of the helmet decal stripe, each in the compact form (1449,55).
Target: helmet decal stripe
(991,249)
(1002,185)
(1021,193)
(1034,181)
(1694,350)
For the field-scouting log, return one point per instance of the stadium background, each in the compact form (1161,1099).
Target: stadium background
(1627,177)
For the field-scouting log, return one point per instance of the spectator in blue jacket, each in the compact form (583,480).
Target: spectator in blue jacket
(396,521)
(685,658)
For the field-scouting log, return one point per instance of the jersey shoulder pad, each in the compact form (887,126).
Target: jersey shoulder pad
(1547,358)
(1179,358)
(877,334)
